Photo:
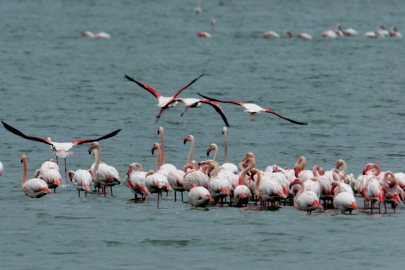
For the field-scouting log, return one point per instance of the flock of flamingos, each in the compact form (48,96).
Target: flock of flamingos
(209,183)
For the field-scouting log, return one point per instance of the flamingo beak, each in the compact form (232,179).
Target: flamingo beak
(185,140)
(90,148)
(292,183)
(129,172)
(208,152)
(153,150)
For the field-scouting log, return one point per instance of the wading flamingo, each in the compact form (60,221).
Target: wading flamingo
(392,191)
(52,178)
(98,35)
(206,34)
(305,200)
(380,32)
(344,201)
(253,109)
(164,102)
(102,173)
(135,181)
(61,150)
(394,32)
(163,166)
(35,188)
(218,186)
(199,196)
(82,180)
(241,194)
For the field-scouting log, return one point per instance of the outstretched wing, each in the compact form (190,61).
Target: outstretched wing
(217,108)
(19,133)
(144,86)
(112,134)
(178,92)
(224,101)
(279,115)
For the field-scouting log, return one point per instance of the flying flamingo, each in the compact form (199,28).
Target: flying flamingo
(196,103)
(35,188)
(135,181)
(392,191)
(103,173)
(206,34)
(344,201)
(164,102)
(61,150)
(305,200)
(394,32)
(198,8)
(253,109)
(92,35)
(82,180)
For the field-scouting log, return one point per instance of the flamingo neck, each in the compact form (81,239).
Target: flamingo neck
(390,179)
(162,161)
(159,158)
(226,146)
(214,169)
(97,160)
(242,177)
(190,155)
(216,152)
(339,189)
(302,188)
(188,166)
(315,170)
(259,178)
(24,178)
(344,165)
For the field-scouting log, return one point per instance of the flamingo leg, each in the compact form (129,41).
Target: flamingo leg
(111,192)
(185,110)
(57,162)
(182,196)
(252,116)
(79,192)
(85,194)
(175,199)
(158,201)
(66,172)
(136,198)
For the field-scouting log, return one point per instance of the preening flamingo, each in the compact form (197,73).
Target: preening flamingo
(242,193)
(135,181)
(164,102)
(305,200)
(102,173)
(82,180)
(199,196)
(196,103)
(206,34)
(394,32)
(46,165)
(35,188)
(61,150)
(344,201)
(253,109)
(392,191)
(267,190)
(52,178)
(98,35)
(372,187)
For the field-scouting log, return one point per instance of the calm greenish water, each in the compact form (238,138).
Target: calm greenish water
(54,82)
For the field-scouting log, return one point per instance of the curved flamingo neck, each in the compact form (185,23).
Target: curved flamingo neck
(216,151)
(390,179)
(373,165)
(225,131)
(97,159)
(316,170)
(302,188)
(191,154)
(242,177)
(341,162)
(188,166)
(24,178)
(258,180)
(214,169)
(339,188)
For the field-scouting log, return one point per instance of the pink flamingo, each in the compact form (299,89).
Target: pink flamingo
(218,186)
(271,34)
(392,191)
(268,190)
(344,201)
(394,32)
(198,8)
(253,109)
(98,35)
(373,189)
(102,173)
(82,180)
(1,168)
(61,150)
(242,192)
(52,178)
(46,165)
(305,200)
(35,188)
(164,102)
(163,165)
(380,32)
(196,103)
(135,181)
(206,34)
(199,196)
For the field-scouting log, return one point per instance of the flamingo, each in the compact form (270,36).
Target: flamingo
(163,165)
(159,169)
(305,200)
(1,168)
(199,196)
(344,201)
(304,36)
(135,181)
(52,178)
(242,192)
(329,34)
(46,165)
(218,186)
(287,33)
(193,176)
(391,191)
(98,35)
(164,102)
(196,103)
(349,31)
(198,8)
(338,30)
(61,150)
(229,166)
(394,32)
(253,109)
(268,190)
(374,190)
(380,32)
(35,188)
(82,180)
(206,34)
(103,173)
(271,34)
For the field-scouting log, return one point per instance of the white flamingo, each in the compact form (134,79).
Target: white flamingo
(271,34)
(82,180)
(199,196)
(46,165)
(98,35)
(242,192)
(102,173)
(61,150)
(52,178)
(344,201)
(392,191)
(35,188)
(305,200)
(163,165)
(253,109)
(218,186)
(164,102)
(135,181)
(206,34)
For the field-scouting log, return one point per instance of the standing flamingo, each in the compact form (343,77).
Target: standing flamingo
(163,165)
(61,150)
(344,201)
(305,200)
(103,173)
(229,166)
(164,102)
(206,34)
(35,188)
(267,190)
(135,181)
(46,165)
(199,196)
(82,180)
(218,186)
(392,191)
(198,8)
(242,192)
(52,178)
(253,109)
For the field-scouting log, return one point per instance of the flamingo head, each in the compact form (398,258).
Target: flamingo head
(23,157)
(224,130)
(155,146)
(287,33)
(213,22)
(188,138)
(93,145)
(160,130)
(381,26)
(71,174)
(212,147)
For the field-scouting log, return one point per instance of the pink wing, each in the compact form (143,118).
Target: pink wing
(144,86)
(178,92)
(224,101)
(279,115)
(112,134)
